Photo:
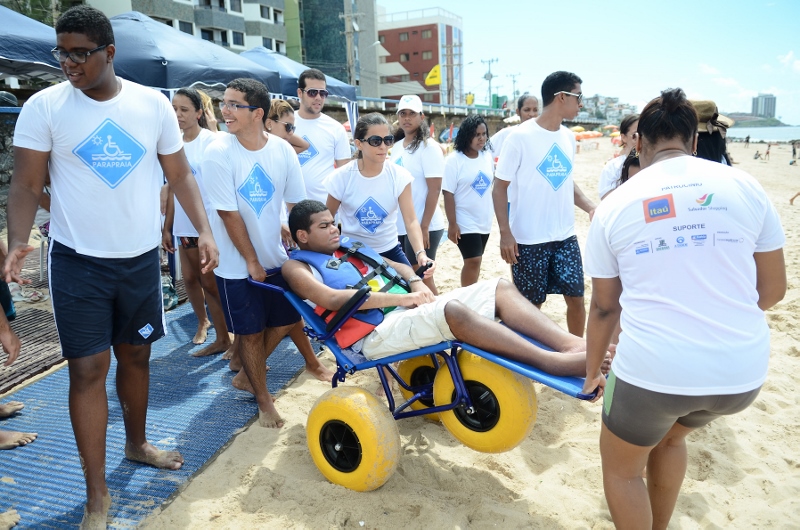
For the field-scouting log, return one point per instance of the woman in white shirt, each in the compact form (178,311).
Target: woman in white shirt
(609,177)
(527,108)
(369,194)
(200,288)
(468,195)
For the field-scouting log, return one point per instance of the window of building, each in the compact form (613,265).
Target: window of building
(405,77)
(426,34)
(236,5)
(416,53)
(223,38)
(403,57)
(414,32)
(404,36)
(416,74)
(277,16)
(207,34)
(382,39)
(426,56)
(186,27)
(280,47)
(266,42)
(238,38)
(163,21)
(265,12)
(428,96)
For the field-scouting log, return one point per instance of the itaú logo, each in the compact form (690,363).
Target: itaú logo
(658,208)
(705,200)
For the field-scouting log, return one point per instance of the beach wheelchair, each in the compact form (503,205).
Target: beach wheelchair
(487,402)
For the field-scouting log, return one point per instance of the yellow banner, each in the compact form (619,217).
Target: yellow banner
(434,77)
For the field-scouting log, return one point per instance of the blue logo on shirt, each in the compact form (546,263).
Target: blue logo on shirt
(146,331)
(257,190)
(399,161)
(111,153)
(309,153)
(481,183)
(371,215)
(555,167)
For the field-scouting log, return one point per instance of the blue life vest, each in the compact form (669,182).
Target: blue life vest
(341,271)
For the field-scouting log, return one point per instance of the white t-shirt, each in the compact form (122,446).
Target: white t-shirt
(256,184)
(470,182)
(369,208)
(427,162)
(681,238)
(328,143)
(498,139)
(104,165)
(195,151)
(538,163)
(609,177)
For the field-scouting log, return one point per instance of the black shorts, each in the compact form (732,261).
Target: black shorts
(101,302)
(554,267)
(436,238)
(472,245)
(643,417)
(250,309)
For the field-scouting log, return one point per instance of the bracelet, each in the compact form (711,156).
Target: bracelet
(413,279)
(419,252)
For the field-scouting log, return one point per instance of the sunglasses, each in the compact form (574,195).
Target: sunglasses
(375,141)
(235,106)
(579,95)
(75,57)
(290,128)
(314,92)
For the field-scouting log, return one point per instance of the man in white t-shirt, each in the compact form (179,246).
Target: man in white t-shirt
(328,144)
(534,175)
(248,175)
(106,143)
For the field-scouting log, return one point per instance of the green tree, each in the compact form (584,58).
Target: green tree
(45,11)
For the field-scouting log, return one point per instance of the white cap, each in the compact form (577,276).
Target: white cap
(410,102)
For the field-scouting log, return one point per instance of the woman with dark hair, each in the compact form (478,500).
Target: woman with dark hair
(609,177)
(527,108)
(200,288)
(422,156)
(690,255)
(280,122)
(468,195)
(712,128)
(369,194)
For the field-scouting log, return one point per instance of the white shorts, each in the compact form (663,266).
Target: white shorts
(405,329)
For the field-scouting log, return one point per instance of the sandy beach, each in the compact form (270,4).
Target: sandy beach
(744,471)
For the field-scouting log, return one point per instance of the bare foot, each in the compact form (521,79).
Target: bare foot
(270,418)
(12,439)
(242,382)
(229,353)
(9,518)
(321,372)
(10,408)
(606,366)
(236,362)
(96,520)
(202,332)
(150,454)
(215,347)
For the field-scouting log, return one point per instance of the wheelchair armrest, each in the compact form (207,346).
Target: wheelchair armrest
(349,307)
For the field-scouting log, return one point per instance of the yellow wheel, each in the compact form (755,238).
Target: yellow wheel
(353,438)
(504,403)
(418,371)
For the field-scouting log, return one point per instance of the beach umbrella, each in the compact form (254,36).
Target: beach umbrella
(614,134)
(25,46)
(159,56)
(610,127)
(290,71)
(577,129)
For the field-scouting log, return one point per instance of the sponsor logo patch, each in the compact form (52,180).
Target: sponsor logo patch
(658,208)
(146,331)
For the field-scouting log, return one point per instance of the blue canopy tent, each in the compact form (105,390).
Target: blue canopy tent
(290,71)
(25,46)
(159,56)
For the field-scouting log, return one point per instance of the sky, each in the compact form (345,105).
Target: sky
(727,51)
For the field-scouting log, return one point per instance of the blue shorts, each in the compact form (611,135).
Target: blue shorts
(102,302)
(250,309)
(554,267)
(396,254)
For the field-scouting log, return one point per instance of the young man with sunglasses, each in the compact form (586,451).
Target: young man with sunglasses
(249,174)
(537,231)
(106,164)
(329,147)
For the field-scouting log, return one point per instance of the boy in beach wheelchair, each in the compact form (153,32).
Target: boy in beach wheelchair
(455,359)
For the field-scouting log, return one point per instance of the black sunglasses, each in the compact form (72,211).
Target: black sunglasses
(290,128)
(314,92)
(375,141)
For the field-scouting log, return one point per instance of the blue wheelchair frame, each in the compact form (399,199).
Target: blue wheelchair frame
(349,362)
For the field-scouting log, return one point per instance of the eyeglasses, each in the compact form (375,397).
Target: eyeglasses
(234,106)
(76,57)
(290,128)
(314,92)
(375,141)
(579,95)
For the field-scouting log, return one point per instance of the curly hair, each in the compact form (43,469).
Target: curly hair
(88,21)
(467,131)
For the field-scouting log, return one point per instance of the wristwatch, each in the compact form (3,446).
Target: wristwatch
(413,279)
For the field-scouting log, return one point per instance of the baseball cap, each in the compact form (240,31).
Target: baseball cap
(410,102)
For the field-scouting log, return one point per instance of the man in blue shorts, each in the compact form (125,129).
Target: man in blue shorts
(537,231)
(249,174)
(106,143)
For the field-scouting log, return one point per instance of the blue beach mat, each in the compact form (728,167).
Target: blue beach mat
(193,409)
